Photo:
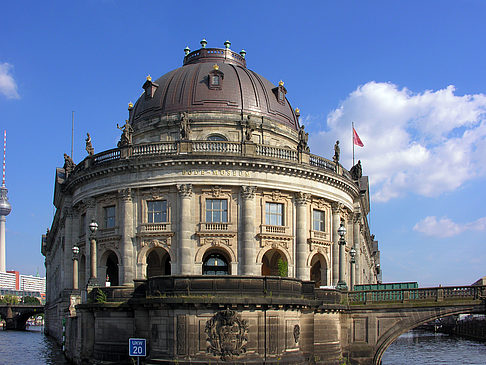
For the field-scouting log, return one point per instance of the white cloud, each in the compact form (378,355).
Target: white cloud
(444,227)
(8,86)
(426,143)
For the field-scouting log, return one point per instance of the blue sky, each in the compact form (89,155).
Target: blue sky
(410,74)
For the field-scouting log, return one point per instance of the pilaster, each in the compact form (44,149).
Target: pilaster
(248,251)
(127,264)
(302,251)
(337,209)
(186,246)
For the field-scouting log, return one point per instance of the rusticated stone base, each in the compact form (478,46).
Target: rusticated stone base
(211,320)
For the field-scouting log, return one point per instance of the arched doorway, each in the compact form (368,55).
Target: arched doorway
(112,269)
(158,262)
(216,263)
(274,263)
(318,271)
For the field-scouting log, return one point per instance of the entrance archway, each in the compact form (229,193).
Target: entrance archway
(216,262)
(318,271)
(274,263)
(112,269)
(158,262)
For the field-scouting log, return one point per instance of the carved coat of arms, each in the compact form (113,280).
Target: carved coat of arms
(227,334)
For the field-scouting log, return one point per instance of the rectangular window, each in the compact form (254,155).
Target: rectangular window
(216,210)
(274,214)
(318,220)
(157,211)
(110,216)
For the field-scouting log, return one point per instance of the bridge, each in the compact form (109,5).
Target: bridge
(16,315)
(378,317)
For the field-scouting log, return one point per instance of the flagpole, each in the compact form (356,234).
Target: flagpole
(352,138)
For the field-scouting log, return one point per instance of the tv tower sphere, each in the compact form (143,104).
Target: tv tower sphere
(5,207)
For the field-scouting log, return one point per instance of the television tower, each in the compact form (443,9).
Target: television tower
(5,209)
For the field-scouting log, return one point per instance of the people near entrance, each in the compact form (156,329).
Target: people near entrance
(108,282)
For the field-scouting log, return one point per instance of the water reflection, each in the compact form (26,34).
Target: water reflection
(427,348)
(29,347)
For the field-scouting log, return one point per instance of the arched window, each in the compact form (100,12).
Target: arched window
(215,264)
(216,137)
(158,262)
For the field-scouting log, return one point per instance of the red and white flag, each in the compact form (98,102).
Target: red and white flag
(356,139)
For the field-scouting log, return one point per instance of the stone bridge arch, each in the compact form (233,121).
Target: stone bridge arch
(16,316)
(372,331)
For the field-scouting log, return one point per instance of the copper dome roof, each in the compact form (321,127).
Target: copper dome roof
(187,89)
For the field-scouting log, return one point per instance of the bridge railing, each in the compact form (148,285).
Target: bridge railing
(419,294)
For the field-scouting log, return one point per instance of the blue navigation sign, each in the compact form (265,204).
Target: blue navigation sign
(137,347)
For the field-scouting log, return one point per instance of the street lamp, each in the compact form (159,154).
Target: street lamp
(341,285)
(75,267)
(93,227)
(352,253)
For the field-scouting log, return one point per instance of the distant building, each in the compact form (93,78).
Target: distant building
(13,280)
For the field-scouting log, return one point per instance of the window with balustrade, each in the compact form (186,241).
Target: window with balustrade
(216,210)
(274,214)
(109,214)
(318,223)
(157,211)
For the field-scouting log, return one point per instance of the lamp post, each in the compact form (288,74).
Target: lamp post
(352,253)
(341,285)
(75,267)
(93,227)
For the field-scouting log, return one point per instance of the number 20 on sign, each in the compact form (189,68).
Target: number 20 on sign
(137,347)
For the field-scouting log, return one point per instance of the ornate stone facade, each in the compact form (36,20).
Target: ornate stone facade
(219,182)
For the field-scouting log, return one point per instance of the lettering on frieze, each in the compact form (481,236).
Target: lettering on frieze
(238,173)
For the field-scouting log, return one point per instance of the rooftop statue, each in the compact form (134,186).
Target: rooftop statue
(356,171)
(185,128)
(249,128)
(303,139)
(69,164)
(337,152)
(89,146)
(126,137)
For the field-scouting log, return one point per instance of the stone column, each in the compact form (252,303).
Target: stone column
(75,273)
(357,246)
(90,216)
(248,242)
(336,220)
(185,247)
(126,220)
(301,231)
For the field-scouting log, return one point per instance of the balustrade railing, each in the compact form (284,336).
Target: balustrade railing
(322,162)
(215,226)
(419,294)
(107,156)
(274,229)
(216,147)
(155,227)
(161,148)
(276,152)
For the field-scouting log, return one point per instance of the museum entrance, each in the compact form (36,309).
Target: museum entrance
(274,263)
(318,272)
(112,269)
(215,263)
(158,262)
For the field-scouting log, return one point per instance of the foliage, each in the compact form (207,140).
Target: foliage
(283,268)
(100,296)
(30,300)
(10,299)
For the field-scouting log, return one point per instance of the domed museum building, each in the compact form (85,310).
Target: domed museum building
(210,210)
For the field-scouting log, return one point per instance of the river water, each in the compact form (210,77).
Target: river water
(424,348)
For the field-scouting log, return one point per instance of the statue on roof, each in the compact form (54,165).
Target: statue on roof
(126,137)
(303,139)
(89,146)
(69,164)
(249,128)
(337,152)
(185,128)
(356,171)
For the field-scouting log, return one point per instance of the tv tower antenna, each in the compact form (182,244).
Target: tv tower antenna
(5,209)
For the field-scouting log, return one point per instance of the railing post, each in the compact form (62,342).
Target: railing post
(184,147)
(405,296)
(304,157)
(249,149)
(439,294)
(368,297)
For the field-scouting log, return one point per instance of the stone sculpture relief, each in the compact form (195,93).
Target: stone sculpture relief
(227,335)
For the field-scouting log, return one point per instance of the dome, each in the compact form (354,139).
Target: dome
(214,80)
